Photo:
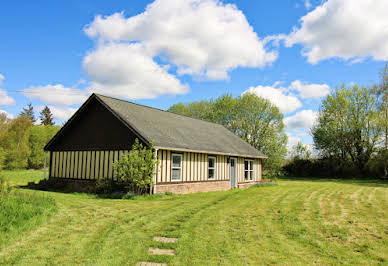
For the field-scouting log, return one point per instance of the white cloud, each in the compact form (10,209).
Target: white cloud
(202,38)
(286,102)
(4,98)
(6,113)
(310,90)
(59,113)
(124,70)
(347,29)
(56,94)
(307,4)
(304,119)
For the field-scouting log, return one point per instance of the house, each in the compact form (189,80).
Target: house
(194,155)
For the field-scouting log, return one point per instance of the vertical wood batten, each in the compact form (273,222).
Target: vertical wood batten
(168,166)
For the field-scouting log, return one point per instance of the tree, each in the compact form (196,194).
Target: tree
(137,169)
(381,92)
(46,117)
(349,126)
(300,151)
(28,112)
(15,143)
(253,118)
(260,123)
(39,136)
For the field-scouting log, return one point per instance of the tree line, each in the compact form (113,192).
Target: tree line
(22,140)
(350,135)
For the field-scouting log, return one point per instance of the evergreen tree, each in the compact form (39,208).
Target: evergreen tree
(46,117)
(28,112)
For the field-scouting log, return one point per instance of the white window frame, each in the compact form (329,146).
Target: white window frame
(249,170)
(212,168)
(174,168)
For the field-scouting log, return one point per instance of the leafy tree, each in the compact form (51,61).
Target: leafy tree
(15,143)
(349,126)
(39,136)
(253,118)
(300,151)
(381,92)
(2,158)
(137,169)
(200,110)
(28,112)
(46,117)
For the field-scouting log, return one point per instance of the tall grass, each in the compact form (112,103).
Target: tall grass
(20,211)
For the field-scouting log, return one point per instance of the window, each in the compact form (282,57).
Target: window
(211,168)
(176,167)
(248,170)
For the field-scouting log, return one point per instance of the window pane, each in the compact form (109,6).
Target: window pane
(246,175)
(246,165)
(176,161)
(211,173)
(211,162)
(176,174)
(250,165)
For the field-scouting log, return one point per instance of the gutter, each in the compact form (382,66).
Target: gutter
(210,152)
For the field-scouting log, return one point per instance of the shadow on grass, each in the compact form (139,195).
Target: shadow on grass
(349,181)
(114,195)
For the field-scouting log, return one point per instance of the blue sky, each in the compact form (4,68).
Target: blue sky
(55,53)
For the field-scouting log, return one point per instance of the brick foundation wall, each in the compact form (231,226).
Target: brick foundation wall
(186,188)
(246,185)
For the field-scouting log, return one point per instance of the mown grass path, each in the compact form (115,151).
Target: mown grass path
(296,222)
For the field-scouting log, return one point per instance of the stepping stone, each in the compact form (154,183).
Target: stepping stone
(158,251)
(165,239)
(144,263)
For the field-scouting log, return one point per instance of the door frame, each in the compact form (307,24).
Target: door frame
(235,172)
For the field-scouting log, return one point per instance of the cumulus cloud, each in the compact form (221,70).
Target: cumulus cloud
(59,113)
(56,94)
(304,119)
(347,29)
(287,103)
(10,116)
(202,38)
(310,90)
(4,98)
(125,70)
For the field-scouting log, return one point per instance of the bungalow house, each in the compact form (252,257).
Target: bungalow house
(194,155)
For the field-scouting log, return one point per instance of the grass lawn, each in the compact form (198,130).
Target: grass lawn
(296,222)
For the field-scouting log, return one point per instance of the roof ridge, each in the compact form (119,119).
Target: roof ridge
(161,110)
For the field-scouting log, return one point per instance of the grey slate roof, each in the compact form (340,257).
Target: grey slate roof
(173,131)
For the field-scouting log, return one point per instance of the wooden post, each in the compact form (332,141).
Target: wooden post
(44,167)
(156,172)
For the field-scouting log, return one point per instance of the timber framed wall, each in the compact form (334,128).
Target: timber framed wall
(93,165)
(195,168)
(89,165)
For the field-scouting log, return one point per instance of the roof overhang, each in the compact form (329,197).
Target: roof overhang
(210,152)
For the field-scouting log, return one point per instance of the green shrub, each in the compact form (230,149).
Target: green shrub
(137,169)
(22,211)
(378,166)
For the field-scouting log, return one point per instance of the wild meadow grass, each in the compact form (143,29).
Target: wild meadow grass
(22,211)
(295,222)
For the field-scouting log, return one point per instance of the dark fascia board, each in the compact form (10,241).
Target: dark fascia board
(77,113)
